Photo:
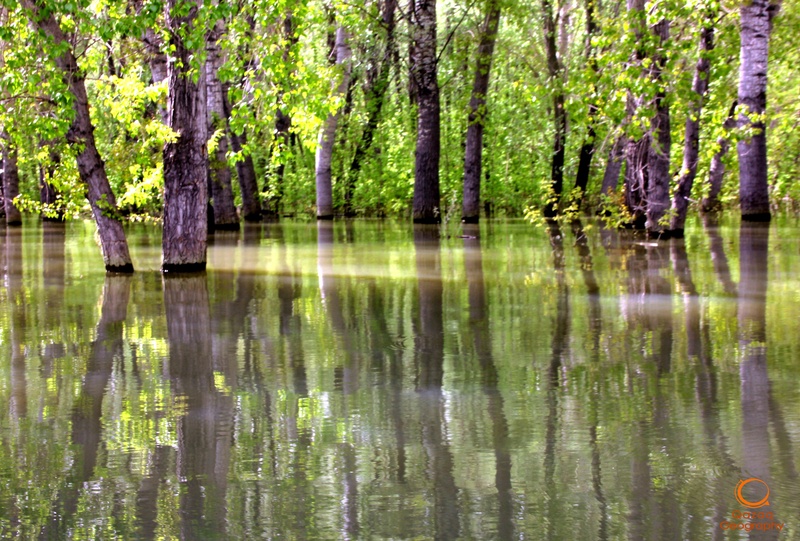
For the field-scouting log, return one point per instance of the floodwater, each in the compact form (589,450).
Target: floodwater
(372,381)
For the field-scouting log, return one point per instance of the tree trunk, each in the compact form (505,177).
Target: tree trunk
(378,84)
(473,155)
(691,144)
(587,149)
(185,160)
(218,170)
(48,194)
(245,170)
(328,136)
(716,172)
(81,135)
(613,166)
(659,152)
(554,70)
(753,188)
(426,204)
(10,184)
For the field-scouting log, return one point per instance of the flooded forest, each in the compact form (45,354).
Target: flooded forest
(399,269)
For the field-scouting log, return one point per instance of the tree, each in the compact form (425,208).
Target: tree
(554,71)
(185,159)
(327,137)
(473,154)
(756,25)
(425,84)
(81,136)
(10,184)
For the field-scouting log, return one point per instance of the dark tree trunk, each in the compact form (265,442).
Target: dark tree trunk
(613,166)
(659,152)
(48,194)
(559,113)
(10,184)
(587,149)
(426,204)
(473,154)
(245,169)
(283,123)
(328,136)
(81,135)
(691,144)
(378,84)
(753,188)
(716,172)
(219,172)
(186,159)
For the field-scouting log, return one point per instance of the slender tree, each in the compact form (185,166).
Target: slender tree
(658,159)
(425,85)
(716,171)
(10,184)
(554,70)
(185,159)
(81,135)
(219,172)
(587,149)
(473,154)
(327,137)
(691,145)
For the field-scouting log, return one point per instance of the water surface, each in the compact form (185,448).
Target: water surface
(370,380)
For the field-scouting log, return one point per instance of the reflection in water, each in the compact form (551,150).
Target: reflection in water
(202,467)
(429,363)
(755,383)
(87,413)
(482,342)
(364,381)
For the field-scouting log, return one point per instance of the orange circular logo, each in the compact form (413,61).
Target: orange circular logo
(747,503)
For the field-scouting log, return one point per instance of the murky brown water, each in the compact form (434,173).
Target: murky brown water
(374,381)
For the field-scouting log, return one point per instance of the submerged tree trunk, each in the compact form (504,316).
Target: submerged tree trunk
(81,135)
(328,136)
(473,155)
(218,170)
(10,184)
(48,194)
(554,70)
(245,169)
(716,172)
(613,166)
(587,149)
(426,204)
(691,145)
(658,175)
(378,84)
(753,188)
(185,160)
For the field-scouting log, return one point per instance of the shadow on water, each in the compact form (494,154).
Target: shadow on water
(428,328)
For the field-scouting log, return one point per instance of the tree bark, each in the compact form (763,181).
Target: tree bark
(219,172)
(245,169)
(328,136)
(554,70)
(426,203)
(185,160)
(378,84)
(48,194)
(10,184)
(716,171)
(613,166)
(81,135)
(587,149)
(473,155)
(755,32)
(691,144)
(659,152)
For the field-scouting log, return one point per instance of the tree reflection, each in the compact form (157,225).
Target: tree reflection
(755,384)
(87,426)
(482,342)
(202,441)
(16,298)
(429,365)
